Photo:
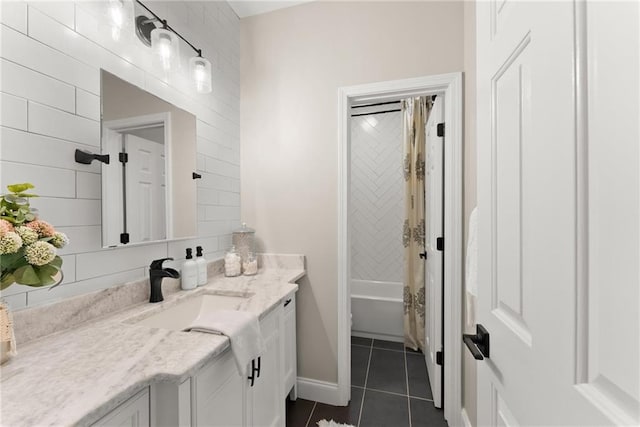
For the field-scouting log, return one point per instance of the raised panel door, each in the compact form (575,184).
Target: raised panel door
(558,209)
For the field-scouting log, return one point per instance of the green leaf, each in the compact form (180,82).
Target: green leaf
(7,280)
(46,273)
(29,217)
(12,261)
(19,188)
(26,275)
(57,262)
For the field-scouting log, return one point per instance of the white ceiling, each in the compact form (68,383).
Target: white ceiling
(244,8)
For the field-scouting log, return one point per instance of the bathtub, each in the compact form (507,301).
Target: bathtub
(377,310)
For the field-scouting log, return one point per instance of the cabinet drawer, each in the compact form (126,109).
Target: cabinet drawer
(289,303)
(132,413)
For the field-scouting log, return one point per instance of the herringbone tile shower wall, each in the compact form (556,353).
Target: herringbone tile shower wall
(376,210)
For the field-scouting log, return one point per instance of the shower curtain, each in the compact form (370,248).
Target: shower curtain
(415,114)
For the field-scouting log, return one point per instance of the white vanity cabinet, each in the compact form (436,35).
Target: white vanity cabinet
(134,412)
(290,369)
(217,396)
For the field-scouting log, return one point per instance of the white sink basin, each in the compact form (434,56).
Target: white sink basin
(180,316)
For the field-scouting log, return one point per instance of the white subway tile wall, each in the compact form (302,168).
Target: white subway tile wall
(377,207)
(51,54)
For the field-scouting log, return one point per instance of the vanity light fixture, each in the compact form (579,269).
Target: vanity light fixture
(164,42)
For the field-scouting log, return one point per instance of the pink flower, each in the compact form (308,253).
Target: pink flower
(43,228)
(5,227)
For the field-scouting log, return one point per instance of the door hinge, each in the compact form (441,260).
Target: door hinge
(440,243)
(440,357)
(123,157)
(124,238)
(440,129)
(423,255)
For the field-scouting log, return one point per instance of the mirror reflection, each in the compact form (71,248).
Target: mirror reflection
(148,191)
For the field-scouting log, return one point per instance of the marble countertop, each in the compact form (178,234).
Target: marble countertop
(76,376)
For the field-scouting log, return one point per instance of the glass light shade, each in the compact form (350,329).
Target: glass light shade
(200,69)
(116,10)
(165,48)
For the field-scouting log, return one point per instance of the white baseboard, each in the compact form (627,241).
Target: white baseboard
(466,422)
(319,391)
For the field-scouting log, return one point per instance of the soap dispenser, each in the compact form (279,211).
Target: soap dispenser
(201,263)
(189,272)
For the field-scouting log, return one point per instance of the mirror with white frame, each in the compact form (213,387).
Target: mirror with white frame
(148,187)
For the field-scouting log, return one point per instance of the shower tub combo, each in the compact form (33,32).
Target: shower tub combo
(377,310)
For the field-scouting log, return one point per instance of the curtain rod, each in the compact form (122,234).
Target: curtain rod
(433,98)
(375,112)
(375,105)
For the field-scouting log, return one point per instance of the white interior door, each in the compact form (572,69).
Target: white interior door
(146,210)
(434,230)
(558,210)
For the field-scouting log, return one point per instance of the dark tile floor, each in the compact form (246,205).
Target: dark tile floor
(389,387)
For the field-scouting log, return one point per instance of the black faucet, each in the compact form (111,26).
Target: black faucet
(156,274)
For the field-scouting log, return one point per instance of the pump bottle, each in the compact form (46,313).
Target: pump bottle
(189,272)
(201,263)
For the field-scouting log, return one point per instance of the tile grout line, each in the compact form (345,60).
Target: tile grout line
(364,393)
(366,379)
(406,378)
(311,414)
(393,393)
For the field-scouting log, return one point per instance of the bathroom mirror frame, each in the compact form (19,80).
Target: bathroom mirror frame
(165,206)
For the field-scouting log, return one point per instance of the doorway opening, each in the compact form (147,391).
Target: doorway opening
(448,88)
(138,181)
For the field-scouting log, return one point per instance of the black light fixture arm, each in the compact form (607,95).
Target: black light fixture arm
(168,27)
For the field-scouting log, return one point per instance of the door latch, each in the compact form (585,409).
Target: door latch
(478,344)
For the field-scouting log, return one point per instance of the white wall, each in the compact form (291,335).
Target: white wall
(51,54)
(377,197)
(293,62)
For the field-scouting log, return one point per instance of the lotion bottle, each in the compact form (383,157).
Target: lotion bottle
(202,266)
(189,272)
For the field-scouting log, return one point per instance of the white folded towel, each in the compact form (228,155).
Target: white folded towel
(242,328)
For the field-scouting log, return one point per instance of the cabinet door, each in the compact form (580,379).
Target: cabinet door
(289,347)
(266,396)
(132,413)
(219,394)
